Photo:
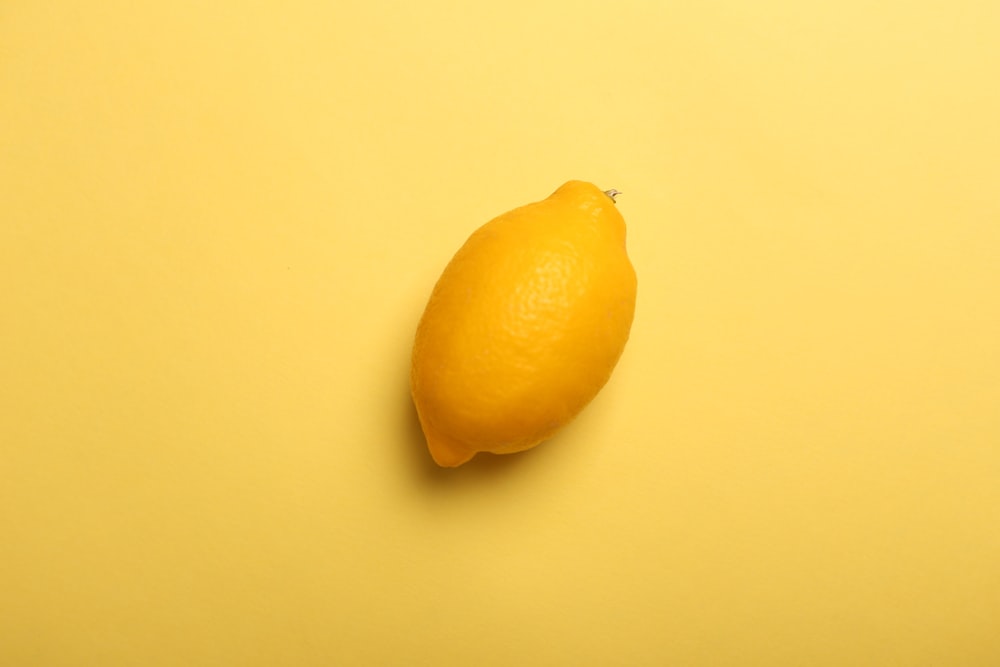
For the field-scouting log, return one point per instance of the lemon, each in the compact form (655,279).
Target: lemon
(524,326)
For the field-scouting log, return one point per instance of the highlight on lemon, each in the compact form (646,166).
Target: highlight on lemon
(524,326)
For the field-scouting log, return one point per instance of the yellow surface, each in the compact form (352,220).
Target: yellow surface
(219,223)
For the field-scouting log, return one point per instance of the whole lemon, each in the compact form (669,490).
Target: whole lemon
(524,326)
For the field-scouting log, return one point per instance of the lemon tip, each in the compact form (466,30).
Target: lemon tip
(447,454)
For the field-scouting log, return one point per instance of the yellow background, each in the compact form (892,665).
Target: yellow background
(219,223)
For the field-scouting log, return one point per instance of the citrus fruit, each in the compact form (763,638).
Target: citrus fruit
(524,326)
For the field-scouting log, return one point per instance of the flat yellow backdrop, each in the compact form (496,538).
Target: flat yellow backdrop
(219,223)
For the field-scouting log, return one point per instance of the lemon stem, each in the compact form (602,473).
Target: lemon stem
(612,193)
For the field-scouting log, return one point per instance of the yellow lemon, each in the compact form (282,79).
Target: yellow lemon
(524,326)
